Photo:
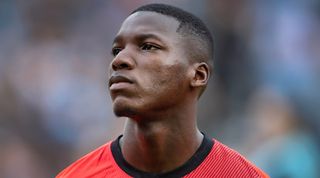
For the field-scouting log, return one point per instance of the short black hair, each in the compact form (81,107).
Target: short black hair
(189,25)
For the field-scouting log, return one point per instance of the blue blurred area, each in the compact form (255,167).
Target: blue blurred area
(263,99)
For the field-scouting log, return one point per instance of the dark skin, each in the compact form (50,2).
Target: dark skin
(156,86)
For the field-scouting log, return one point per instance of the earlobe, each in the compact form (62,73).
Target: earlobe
(201,75)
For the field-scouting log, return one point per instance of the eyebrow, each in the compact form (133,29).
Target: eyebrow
(139,37)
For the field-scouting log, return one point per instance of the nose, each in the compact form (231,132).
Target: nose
(122,61)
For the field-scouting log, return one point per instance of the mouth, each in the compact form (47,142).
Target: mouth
(118,79)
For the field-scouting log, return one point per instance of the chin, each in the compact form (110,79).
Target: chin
(122,109)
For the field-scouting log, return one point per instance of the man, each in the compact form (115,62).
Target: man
(161,66)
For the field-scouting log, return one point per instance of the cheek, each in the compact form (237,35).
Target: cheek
(166,78)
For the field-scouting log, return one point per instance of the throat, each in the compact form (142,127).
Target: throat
(156,148)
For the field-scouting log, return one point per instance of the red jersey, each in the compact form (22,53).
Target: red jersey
(212,159)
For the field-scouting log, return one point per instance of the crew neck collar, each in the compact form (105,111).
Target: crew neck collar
(181,171)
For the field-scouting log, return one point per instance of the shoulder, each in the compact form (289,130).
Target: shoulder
(229,159)
(223,161)
(90,164)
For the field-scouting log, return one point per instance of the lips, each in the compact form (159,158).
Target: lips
(116,79)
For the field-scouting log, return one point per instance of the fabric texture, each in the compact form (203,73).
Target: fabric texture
(212,160)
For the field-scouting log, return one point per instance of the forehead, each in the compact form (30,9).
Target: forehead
(151,23)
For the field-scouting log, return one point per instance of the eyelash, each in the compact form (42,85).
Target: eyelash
(115,51)
(145,47)
(148,46)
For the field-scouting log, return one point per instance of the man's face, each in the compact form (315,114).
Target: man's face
(149,71)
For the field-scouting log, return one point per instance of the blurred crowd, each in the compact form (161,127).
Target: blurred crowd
(263,98)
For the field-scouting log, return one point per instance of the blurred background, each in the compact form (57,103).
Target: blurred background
(263,99)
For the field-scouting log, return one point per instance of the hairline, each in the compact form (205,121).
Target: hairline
(184,31)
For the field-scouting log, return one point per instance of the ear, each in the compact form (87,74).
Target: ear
(200,75)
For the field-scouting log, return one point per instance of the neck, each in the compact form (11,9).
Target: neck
(162,144)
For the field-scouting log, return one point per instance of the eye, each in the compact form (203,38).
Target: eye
(148,46)
(115,51)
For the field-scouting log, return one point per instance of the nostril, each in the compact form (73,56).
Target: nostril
(123,66)
(118,66)
(122,61)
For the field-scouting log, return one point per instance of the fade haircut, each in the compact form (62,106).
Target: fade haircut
(191,27)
